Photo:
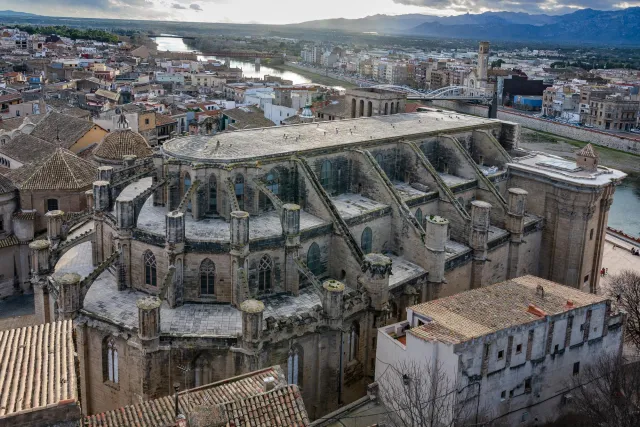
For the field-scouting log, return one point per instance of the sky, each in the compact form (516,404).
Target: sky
(290,11)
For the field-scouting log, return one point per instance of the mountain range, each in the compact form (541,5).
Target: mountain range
(583,26)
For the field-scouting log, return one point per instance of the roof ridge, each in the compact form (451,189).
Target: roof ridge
(73,175)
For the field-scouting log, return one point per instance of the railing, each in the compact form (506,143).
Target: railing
(337,219)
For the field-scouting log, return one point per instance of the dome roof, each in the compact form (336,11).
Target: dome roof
(123,142)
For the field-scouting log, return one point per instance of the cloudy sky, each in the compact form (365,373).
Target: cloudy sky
(290,11)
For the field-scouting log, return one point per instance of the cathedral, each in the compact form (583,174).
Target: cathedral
(220,255)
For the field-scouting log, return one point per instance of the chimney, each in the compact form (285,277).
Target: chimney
(269,383)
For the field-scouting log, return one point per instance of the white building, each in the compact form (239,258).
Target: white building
(508,349)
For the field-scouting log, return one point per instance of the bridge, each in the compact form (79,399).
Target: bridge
(238,54)
(455,93)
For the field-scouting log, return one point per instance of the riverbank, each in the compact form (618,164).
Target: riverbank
(315,77)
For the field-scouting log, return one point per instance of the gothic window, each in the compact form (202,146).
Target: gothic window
(186,186)
(265,270)
(110,357)
(354,341)
(240,190)
(313,259)
(52,205)
(380,160)
(202,371)
(273,182)
(207,277)
(386,108)
(150,267)
(213,194)
(419,216)
(366,241)
(294,366)
(369,109)
(326,176)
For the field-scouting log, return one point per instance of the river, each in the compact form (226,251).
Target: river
(625,202)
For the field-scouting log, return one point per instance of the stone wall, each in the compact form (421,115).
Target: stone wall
(581,134)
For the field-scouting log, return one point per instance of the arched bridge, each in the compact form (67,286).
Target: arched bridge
(459,93)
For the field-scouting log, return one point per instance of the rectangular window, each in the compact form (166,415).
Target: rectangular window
(519,349)
(52,205)
(146,121)
(500,354)
(527,385)
(576,368)
(591,234)
(503,395)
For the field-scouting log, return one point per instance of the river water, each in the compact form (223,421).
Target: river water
(625,211)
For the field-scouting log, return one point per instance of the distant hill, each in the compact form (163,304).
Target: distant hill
(587,25)
(13,13)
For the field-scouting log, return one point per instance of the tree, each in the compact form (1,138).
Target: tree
(497,63)
(423,395)
(607,393)
(624,290)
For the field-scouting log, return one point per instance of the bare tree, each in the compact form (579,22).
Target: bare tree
(423,395)
(624,289)
(607,393)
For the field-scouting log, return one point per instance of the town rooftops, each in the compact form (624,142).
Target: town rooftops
(287,140)
(241,401)
(10,97)
(163,119)
(122,142)
(67,128)
(26,148)
(489,309)
(250,117)
(37,369)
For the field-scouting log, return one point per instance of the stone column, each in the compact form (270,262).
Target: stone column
(69,295)
(40,268)
(478,237)
(149,322)
(517,198)
(173,186)
(129,160)
(158,163)
(105,173)
(174,248)
(125,214)
(376,269)
(239,252)
(89,195)
(290,219)
(54,226)
(101,204)
(435,241)
(252,322)
(332,298)
(101,196)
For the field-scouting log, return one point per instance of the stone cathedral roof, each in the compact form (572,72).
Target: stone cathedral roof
(123,142)
(63,170)
(241,401)
(38,368)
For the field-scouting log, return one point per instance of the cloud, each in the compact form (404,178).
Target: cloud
(195,6)
(178,6)
(530,6)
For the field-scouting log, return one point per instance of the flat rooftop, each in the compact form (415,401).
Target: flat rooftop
(564,170)
(486,310)
(251,144)
(351,205)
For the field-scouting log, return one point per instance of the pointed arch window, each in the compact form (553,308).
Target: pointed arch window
(213,194)
(265,270)
(203,374)
(419,217)
(326,176)
(186,186)
(111,360)
(207,277)
(354,341)
(150,269)
(239,184)
(366,241)
(313,259)
(294,366)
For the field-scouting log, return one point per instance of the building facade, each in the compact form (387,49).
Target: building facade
(292,245)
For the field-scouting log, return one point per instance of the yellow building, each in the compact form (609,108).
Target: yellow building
(69,132)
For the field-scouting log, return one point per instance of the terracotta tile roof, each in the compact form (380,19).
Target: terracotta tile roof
(6,186)
(112,96)
(248,118)
(122,142)
(9,241)
(28,215)
(163,119)
(486,310)
(27,148)
(38,367)
(63,170)
(243,398)
(15,122)
(68,128)
(588,151)
(10,97)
